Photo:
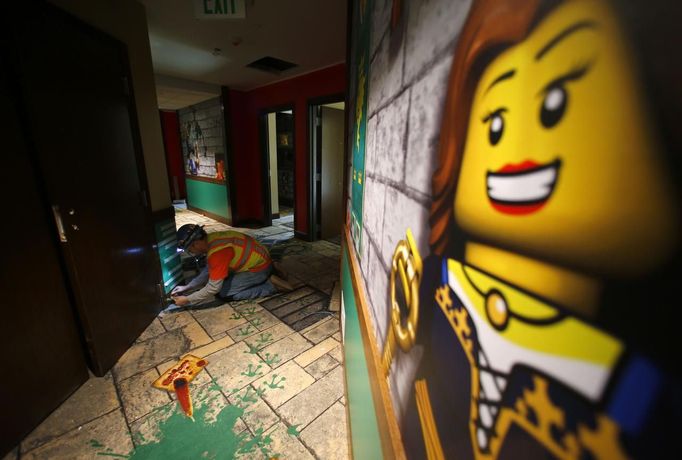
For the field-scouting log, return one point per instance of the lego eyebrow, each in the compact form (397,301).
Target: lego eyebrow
(563,34)
(573,75)
(508,74)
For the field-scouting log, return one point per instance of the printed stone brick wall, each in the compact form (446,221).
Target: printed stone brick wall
(202,132)
(409,68)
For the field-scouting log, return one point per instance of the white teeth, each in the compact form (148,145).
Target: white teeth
(481,360)
(529,187)
(501,382)
(485,415)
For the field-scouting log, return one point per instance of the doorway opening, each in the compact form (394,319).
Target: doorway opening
(279,160)
(327,122)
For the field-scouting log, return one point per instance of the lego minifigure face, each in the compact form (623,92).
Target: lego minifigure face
(560,160)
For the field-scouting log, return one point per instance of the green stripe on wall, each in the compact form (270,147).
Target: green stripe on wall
(363,422)
(208,196)
(171,267)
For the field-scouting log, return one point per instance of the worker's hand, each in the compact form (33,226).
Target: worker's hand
(178,289)
(181,300)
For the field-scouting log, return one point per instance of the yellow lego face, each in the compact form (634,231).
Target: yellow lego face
(560,160)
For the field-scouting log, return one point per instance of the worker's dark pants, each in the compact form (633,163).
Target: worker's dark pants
(247,285)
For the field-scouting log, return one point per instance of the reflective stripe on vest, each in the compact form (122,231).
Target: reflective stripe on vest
(247,252)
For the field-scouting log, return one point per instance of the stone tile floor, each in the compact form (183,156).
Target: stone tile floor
(267,391)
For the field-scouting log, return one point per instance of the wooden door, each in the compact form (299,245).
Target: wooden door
(80,114)
(41,349)
(332,172)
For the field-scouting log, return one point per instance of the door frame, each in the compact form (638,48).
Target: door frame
(229,152)
(312,157)
(265,158)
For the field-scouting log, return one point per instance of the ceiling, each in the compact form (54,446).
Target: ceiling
(174,93)
(178,98)
(310,33)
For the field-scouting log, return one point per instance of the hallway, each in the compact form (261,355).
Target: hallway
(267,389)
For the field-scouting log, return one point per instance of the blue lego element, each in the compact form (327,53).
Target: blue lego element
(444,272)
(635,394)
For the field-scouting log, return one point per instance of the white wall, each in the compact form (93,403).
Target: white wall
(272,147)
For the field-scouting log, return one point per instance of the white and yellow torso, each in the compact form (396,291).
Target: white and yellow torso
(502,329)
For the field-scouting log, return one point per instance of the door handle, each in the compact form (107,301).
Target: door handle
(60,225)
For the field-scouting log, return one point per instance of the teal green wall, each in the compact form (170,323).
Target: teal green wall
(365,440)
(209,197)
(167,245)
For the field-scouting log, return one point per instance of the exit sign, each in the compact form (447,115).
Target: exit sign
(220,9)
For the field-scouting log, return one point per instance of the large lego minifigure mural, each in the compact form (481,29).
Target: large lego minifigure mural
(554,236)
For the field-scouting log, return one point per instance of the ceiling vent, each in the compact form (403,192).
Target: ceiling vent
(271,65)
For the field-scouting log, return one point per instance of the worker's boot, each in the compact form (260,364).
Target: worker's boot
(280,284)
(278,269)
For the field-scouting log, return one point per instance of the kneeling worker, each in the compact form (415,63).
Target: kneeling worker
(238,267)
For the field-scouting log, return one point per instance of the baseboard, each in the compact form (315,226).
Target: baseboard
(248,223)
(203,212)
(389,431)
(302,236)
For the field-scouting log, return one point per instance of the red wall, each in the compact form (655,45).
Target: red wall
(245,106)
(171,141)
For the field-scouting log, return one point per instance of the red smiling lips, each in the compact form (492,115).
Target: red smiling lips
(522,188)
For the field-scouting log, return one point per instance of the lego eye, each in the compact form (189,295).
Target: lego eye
(553,106)
(496,128)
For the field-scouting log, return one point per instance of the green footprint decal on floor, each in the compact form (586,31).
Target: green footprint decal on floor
(249,312)
(293,430)
(258,322)
(252,349)
(271,359)
(244,331)
(252,371)
(264,338)
(250,396)
(275,382)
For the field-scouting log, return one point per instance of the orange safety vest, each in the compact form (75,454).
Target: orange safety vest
(234,252)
